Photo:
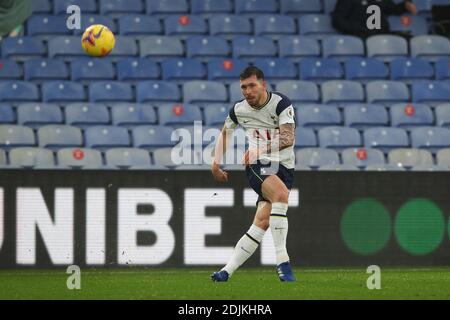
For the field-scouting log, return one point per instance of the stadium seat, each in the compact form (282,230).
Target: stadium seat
(157,91)
(45,26)
(342,91)
(248,47)
(60,6)
(410,115)
(431,138)
(18,91)
(317,26)
(429,167)
(276,68)
(35,115)
(139,25)
(338,167)
(408,69)
(316,157)
(45,69)
(362,157)
(66,47)
(87,70)
(88,19)
(42,6)
(442,69)
(178,114)
(254,8)
(16,136)
(206,47)
(299,7)
(136,69)
(7,115)
(194,135)
(10,70)
(163,8)
(171,157)
(215,114)
(105,137)
(319,70)
(442,115)
(62,91)
(386,92)
(30,157)
(362,116)
(235,92)
(443,157)
(148,137)
(185,25)
(210,7)
(413,25)
(409,157)
(229,25)
(339,137)
(226,70)
(3,161)
(386,47)
(431,92)
(127,157)
(384,167)
(385,138)
(274,25)
(298,47)
(182,69)
(82,115)
(431,47)
(328,6)
(59,136)
(365,69)
(117,7)
(23,48)
(159,47)
(305,138)
(110,91)
(318,116)
(299,91)
(79,157)
(201,92)
(342,47)
(124,47)
(130,115)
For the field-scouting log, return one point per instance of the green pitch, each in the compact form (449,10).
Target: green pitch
(262,283)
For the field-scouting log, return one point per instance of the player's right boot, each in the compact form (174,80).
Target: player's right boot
(285,273)
(220,276)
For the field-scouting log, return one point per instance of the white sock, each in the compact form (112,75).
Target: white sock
(279,228)
(245,247)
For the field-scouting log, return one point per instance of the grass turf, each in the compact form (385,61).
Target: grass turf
(194,284)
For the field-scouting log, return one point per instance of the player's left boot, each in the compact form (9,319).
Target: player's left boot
(285,273)
(220,276)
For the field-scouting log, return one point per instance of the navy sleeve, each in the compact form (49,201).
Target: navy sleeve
(233,115)
(283,103)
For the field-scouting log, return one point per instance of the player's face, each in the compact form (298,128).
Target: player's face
(253,90)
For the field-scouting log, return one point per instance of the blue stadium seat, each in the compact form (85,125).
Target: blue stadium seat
(342,91)
(316,25)
(162,8)
(110,91)
(201,92)
(408,158)
(431,47)
(298,7)
(277,68)
(235,92)
(35,115)
(299,91)
(429,167)
(365,69)
(211,6)
(305,138)
(387,92)
(105,137)
(317,116)
(59,136)
(414,25)
(17,91)
(339,137)
(342,47)
(185,25)
(149,137)
(170,157)
(386,47)
(159,47)
(28,157)
(130,115)
(384,167)
(47,25)
(215,114)
(443,157)
(229,25)
(79,157)
(136,69)
(127,157)
(385,138)
(431,138)
(88,19)
(206,47)
(409,115)
(189,135)
(442,115)
(223,69)
(252,8)
(10,70)
(23,48)
(66,47)
(298,47)
(362,157)
(408,69)
(16,136)
(247,47)
(431,92)
(7,115)
(117,7)
(90,69)
(178,114)
(157,91)
(316,157)
(320,69)
(338,167)
(362,116)
(86,114)
(328,6)
(60,6)
(442,69)
(182,69)
(274,25)
(62,91)
(41,6)
(45,69)
(124,47)
(139,24)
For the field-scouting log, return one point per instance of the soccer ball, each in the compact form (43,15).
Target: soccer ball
(98,40)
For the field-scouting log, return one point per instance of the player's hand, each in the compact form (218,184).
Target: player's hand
(219,174)
(411,7)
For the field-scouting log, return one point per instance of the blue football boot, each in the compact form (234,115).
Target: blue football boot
(220,276)
(285,273)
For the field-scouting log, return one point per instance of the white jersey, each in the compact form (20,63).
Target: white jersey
(263,124)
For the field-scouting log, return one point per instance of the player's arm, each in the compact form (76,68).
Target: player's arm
(221,148)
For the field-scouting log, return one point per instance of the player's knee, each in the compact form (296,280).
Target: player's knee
(281,196)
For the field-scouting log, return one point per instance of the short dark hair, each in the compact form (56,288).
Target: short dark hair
(252,71)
